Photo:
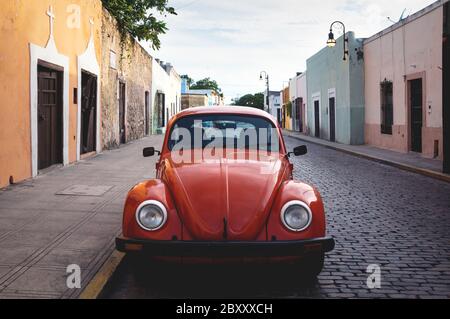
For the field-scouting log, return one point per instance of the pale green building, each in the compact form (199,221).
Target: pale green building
(336,93)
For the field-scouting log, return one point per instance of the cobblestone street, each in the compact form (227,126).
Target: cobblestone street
(377,214)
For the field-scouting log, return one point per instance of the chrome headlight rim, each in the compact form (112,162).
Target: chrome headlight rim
(296,203)
(154,203)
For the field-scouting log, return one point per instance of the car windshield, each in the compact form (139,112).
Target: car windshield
(228,131)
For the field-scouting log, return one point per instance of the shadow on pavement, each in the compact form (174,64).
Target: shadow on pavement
(137,278)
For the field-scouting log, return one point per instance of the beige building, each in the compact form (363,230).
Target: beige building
(404,84)
(193,100)
(81,88)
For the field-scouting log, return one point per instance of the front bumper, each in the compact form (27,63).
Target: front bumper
(225,249)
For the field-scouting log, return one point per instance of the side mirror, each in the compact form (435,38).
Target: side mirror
(149,152)
(300,150)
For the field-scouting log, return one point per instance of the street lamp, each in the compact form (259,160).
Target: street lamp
(331,42)
(263,75)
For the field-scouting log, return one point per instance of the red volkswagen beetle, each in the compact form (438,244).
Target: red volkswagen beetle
(224,191)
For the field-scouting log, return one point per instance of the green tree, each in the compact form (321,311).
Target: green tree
(140,18)
(252,100)
(207,84)
(188,78)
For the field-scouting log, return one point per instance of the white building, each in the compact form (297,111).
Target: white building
(174,94)
(274,104)
(166,95)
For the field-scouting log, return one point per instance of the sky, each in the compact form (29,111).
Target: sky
(232,41)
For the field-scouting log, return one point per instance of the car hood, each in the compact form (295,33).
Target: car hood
(225,199)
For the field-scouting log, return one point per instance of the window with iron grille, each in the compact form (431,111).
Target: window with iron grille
(161,104)
(387,109)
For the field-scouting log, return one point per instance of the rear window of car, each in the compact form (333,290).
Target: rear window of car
(229,131)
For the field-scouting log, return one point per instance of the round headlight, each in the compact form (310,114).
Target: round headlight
(151,215)
(296,216)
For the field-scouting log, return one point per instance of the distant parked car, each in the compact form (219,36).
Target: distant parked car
(229,202)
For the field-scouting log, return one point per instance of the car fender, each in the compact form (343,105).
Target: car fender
(151,190)
(290,191)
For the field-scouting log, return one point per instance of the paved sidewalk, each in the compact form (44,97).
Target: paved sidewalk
(45,225)
(410,161)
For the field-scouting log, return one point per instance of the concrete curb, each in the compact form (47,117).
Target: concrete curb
(406,167)
(96,285)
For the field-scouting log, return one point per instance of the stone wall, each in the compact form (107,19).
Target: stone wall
(132,66)
(191,100)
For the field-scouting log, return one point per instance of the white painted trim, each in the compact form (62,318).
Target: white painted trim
(88,62)
(317,97)
(48,54)
(332,94)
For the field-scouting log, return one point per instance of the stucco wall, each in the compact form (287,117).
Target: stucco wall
(134,68)
(22,23)
(413,49)
(302,92)
(174,94)
(293,89)
(328,73)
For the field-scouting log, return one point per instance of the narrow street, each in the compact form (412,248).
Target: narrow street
(377,214)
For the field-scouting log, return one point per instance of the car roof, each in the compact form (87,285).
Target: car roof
(238,110)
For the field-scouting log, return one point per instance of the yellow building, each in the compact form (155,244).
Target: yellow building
(50,58)
(287,110)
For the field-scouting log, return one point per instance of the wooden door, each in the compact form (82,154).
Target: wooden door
(332,105)
(298,114)
(416,111)
(161,112)
(316,119)
(304,125)
(50,110)
(146,103)
(446,88)
(122,131)
(88,113)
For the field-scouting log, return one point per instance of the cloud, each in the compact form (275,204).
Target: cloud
(232,41)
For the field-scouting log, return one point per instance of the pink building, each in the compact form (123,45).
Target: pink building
(404,84)
(302,98)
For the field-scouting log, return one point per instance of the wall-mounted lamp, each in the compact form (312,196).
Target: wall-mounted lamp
(331,42)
